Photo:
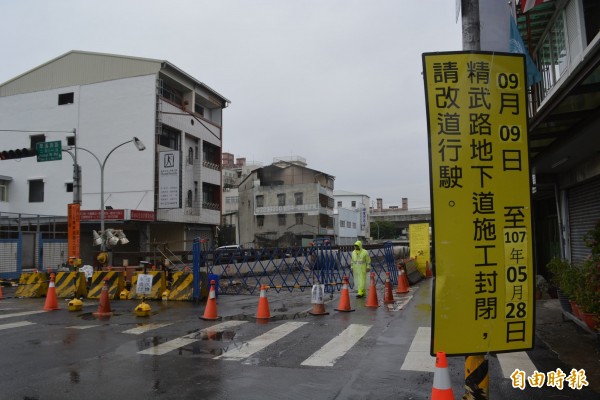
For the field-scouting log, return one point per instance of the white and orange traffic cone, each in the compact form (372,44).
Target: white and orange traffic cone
(403,286)
(263,312)
(388,296)
(317,300)
(344,304)
(210,312)
(372,301)
(51,300)
(442,389)
(104,310)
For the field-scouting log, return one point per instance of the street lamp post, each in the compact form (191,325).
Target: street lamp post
(375,222)
(140,146)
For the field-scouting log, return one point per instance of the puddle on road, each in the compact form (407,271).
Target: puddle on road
(90,316)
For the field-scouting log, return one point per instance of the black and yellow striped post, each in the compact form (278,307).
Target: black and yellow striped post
(477,380)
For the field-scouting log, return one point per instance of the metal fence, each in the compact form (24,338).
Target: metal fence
(243,271)
(49,254)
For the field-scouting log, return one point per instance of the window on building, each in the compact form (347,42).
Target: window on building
(190,158)
(170,93)
(354,225)
(299,219)
(198,109)
(281,199)
(196,190)
(354,204)
(69,187)
(260,200)
(3,192)
(188,201)
(281,219)
(36,191)
(299,198)
(66,98)
(339,204)
(260,221)
(342,224)
(169,137)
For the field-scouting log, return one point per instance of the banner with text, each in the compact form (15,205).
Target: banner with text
(169,179)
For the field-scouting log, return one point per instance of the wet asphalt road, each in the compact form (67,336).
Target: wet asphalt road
(72,355)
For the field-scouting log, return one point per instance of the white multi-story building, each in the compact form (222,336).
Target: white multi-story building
(170,192)
(233,175)
(351,217)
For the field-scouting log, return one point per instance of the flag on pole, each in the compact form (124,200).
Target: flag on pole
(517,46)
(527,5)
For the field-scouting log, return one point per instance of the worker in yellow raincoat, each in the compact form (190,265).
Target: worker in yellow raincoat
(361,263)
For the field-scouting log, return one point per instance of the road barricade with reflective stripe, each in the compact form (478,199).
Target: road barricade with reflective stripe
(32,284)
(116,283)
(70,284)
(158,286)
(182,287)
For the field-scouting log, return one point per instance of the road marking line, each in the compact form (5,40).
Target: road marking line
(399,303)
(16,325)
(511,361)
(20,314)
(257,344)
(82,326)
(174,344)
(418,357)
(145,328)
(327,355)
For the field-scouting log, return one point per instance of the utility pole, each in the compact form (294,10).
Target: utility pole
(470,25)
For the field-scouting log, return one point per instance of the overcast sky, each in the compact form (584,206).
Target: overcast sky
(336,82)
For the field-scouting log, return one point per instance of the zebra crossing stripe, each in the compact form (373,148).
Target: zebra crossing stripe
(174,344)
(82,327)
(327,355)
(20,314)
(145,328)
(257,344)
(16,325)
(418,357)
(511,361)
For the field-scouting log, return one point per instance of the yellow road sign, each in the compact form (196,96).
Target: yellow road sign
(481,207)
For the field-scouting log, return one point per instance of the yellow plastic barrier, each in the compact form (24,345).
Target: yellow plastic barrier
(116,284)
(70,284)
(158,286)
(182,287)
(32,284)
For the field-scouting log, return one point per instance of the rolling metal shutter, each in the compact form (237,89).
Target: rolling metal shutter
(584,212)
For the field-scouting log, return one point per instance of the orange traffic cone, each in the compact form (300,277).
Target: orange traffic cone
(428,272)
(210,312)
(104,310)
(263,311)
(344,305)
(317,295)
(51,301)
(1,295)
(403,286)
(442,389)
(372,298)
(388,296)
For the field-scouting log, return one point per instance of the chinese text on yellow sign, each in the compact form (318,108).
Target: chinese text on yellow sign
(479,171)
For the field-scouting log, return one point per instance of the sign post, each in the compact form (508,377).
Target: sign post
(481,207)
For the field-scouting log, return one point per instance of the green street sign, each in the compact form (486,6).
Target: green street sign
(49,151)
